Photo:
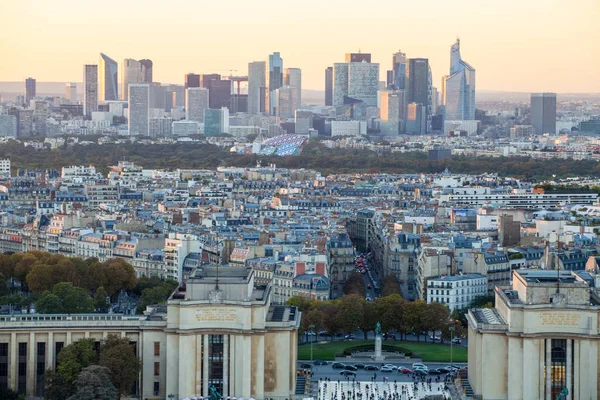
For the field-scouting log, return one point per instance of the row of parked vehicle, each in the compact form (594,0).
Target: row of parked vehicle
(417,368)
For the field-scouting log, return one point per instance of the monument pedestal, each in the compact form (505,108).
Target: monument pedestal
(378,356)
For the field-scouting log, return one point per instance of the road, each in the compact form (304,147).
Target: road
(359,335)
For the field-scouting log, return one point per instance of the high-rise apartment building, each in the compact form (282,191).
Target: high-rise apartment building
(418,81)
(108,79)
(257,87)
(392,110)
(329,86)
(192,80)
(292,77)
(30,90)
(274,80)
(358,57)
(139,109)
(458,88)
(133,71)
(355,81)
(71,92)
(90,89)
(197,100)
(286,100)
(543,112)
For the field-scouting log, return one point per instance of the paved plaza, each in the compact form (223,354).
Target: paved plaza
(368,390)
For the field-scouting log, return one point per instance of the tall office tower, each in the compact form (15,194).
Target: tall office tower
(220,90)
(292,77)
(147,66)
(358,57)
(392,111)
(257,87)
(398,71)
(329,86)
(418,81)
(71,92)
(286,99)
(458,88)
(133,71)
(90,89)
(216,121)
(30,90)
(340,83)
(274,80)
(139,109)
(196,100)
(192,80)
(8,125)
(24,120)
(543,112)
(416,119)
(108,79)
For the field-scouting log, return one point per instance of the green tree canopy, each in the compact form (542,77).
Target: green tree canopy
(118,356)
(93,383)
(390,285)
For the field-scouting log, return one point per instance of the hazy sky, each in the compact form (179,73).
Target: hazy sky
(517,45)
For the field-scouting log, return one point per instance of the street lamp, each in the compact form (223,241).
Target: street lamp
(451,341)
(312,329)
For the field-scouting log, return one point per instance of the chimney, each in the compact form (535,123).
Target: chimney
(320,269)
(300,268)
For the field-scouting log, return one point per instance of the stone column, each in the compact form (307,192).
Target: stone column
(576,370)
(259,375)
(13,365)
(172,367)
(548,369)
(205,376)
(246,370)
(232,361)
(225,365)
(187,365)
(50,351)
(31,350)
(569,372)
(68,338)
(198,372)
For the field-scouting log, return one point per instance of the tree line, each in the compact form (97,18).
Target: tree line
(59,284)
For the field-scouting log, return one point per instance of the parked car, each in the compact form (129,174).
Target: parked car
(350,336)
(348,373)
(320,362)
(435,371)
(452,367)
(351,367)
(369,286)
(392,366)
(360,365)
(323,333)
(371,368)
(456,340)
(419,365)
(443,370)
(405,370)
(311,333)
(338,365)
(386,369)
(419,372)
(305,366)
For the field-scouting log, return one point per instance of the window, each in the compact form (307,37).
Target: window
(156,368)
(156,388)
(156,349)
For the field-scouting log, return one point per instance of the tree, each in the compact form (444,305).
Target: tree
(330,321)
(93,383)
(155,295)
(118,356)
(75,357)
(355,284)
(390,285)
(100,298)
(7,394)
(23,267)
(392,312)
(303,303)
(435,317)
(49,303)
(371,316)
(56,386)
(351,312)
(413,317)
(119,275)
(74,299)
(4,289)
(41,278)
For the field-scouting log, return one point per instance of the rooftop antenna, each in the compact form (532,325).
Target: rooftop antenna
(218,262)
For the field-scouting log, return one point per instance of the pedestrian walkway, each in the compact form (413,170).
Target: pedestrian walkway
(352,390)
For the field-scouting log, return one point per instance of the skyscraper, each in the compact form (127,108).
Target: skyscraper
(392,110)
(398,71)
(197,100)
(355,82)
(543,112)
(133,71)
(458,88)
(416,119)
(257,87)
(90,89)
(286,101)
(292,77)
(329,86)
(274,80)
(30,90)
(418,81)
(216,121)
(192,80)
(71,92)
(220,90)
(358,57)
(139,109)
(108,79)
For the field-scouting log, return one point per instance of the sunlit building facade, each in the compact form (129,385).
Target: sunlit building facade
(458,88)
(108,79)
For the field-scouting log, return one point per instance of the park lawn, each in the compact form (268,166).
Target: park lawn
(428,352)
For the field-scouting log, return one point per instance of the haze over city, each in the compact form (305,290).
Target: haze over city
(532,45)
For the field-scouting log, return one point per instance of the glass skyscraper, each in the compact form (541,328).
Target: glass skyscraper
(458,88)
(274,80)
(108,79)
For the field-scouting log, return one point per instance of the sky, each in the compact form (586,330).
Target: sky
(515,45)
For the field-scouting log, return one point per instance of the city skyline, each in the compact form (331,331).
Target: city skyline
(488,43)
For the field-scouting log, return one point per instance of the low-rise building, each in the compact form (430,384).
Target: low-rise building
(456,292)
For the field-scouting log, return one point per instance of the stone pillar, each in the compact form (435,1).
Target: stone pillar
(232,361)
(577,370)
(205,365)
(378,356)
(198,372)
(246,370)
(259,375)
(515,367)
(68,338)
(50,351)
(187,365)
(569,372)
(13,365)
(225,365)
(532,363)
(31,350)
(548,369)
(172,366)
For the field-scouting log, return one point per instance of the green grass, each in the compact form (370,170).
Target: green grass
(428,352)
